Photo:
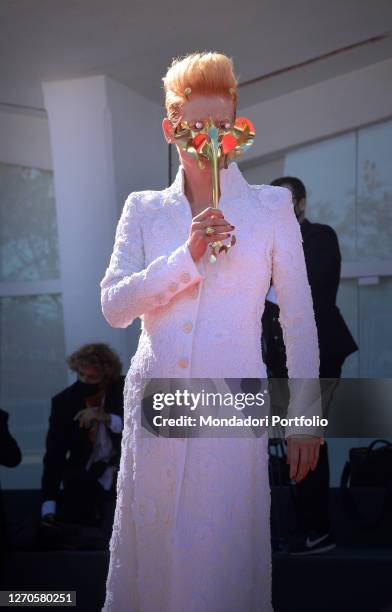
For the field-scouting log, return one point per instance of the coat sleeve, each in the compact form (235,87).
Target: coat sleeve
(129,289)
(293,293)
(57,446)
(10,453)
(296,316)
(323,263)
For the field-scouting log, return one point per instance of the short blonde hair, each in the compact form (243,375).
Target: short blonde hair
(207,72)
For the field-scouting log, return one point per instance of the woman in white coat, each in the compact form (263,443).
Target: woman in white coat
(191,527)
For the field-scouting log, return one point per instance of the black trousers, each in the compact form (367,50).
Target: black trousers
(82,497)
(313,490)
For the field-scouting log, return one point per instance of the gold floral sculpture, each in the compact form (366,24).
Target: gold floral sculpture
(207,143)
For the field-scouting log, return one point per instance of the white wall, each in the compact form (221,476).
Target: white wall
(263,174)
(140,153)
(327,108)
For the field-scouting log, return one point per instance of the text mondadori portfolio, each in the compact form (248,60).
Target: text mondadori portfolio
(237,421)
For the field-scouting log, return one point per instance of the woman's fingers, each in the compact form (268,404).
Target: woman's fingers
(222,227)
(198,239)
(293,457)
(220,224)
(302,456)
(304,462)
(208,212)
(214,237)
(210,216)
(213,221)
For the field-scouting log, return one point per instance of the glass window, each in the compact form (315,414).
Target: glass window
(28,227)
(32,351)
(375,336)
(328,171)
(375,192)
(32,370)
(349,184)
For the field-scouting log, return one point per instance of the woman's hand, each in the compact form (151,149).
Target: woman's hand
(302,455)
(198,240)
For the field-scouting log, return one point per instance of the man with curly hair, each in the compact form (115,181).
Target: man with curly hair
(83,442)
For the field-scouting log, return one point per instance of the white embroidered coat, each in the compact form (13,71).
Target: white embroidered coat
(191,527)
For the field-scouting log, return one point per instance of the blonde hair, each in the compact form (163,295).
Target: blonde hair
(207,72)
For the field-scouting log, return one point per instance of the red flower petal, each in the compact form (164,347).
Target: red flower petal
(199,141)
(243,122)
(229,142)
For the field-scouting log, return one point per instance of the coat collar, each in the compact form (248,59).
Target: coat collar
(232,182)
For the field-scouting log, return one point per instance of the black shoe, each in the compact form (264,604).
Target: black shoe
(313,543)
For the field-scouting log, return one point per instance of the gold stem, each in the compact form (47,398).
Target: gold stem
(215,179)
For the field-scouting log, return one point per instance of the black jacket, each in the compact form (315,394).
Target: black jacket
(323,264)
(10,456)
(67,444)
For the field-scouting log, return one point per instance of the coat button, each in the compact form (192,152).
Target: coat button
(185,277)
(187,327)
(173,287)
(183,362)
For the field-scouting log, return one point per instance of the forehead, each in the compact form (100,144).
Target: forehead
(204,106)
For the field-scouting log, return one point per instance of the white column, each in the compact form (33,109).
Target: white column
(106,141)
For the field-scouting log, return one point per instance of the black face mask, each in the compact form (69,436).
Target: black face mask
(88,389)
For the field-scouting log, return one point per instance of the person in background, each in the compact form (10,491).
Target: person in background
(86,421)
(10,456)
(323,263)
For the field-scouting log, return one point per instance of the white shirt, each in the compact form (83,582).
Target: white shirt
(271,295)
(103,448)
